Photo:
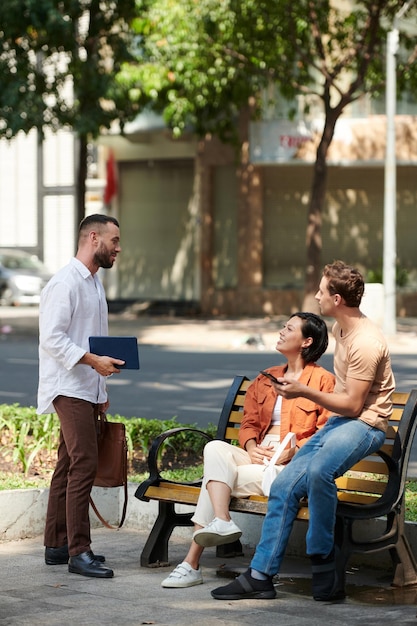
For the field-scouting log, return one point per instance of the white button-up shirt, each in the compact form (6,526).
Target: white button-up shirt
(73,307)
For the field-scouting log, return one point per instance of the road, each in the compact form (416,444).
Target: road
(189,383)
(186,377)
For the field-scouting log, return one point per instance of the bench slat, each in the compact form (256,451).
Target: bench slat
(400,397)
(256,505)
(356,498)
(232,434)
(235,417)
(349,483)
(371,466)
(174,492)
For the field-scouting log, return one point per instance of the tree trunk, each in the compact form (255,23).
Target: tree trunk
(314,218)
(81,178)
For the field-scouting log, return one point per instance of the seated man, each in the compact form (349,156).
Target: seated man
(361,405)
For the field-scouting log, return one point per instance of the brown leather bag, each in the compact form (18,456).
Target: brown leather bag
(112,461)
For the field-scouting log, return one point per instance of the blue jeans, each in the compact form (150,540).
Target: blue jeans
(331,451)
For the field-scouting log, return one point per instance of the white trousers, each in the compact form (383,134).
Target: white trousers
(231,465)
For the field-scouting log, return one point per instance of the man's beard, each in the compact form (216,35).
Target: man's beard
(102,258)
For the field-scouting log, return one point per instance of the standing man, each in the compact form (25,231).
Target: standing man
(72,382)
(361,404)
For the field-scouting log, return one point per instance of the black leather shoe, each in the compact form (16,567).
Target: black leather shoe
(86,565)
(60,556)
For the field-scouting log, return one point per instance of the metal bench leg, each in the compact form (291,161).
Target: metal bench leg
(342,551)
(229,550)
(405,566)
(155,551)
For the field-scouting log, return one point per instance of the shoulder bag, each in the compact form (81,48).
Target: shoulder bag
(112,461)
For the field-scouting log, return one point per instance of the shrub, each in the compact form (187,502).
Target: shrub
(24,435)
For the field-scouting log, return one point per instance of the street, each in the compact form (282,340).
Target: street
(187,377)
(188,383)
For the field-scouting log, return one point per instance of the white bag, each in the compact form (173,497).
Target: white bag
(271,470)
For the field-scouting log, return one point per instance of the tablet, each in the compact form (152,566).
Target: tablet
(124,348)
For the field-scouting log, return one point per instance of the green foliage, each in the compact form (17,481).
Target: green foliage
(27,434)
(376,276)
(20,481)
(58,64)
(190,474)
(411,501)
(140,433)
(200,63)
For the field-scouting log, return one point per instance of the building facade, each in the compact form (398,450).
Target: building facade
(210,230)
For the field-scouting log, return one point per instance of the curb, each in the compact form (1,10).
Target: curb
(24,511)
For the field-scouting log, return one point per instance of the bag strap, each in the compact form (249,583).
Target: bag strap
(101,518)
(288,437)
(101,417)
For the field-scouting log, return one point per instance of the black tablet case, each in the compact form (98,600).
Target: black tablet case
(124,348)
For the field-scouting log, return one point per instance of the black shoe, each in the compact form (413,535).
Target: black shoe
(60,556)
(325,583)
(244,587)
(86,565)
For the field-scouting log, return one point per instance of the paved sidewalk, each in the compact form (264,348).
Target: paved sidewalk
(33,594)
(215,333)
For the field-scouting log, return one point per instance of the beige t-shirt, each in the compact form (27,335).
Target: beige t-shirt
(362,354)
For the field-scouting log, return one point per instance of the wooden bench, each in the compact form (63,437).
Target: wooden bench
(373,488)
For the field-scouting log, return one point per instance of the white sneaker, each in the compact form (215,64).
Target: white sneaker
(217,533)
(183,576)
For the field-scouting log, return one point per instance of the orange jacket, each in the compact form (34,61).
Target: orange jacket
(298,415)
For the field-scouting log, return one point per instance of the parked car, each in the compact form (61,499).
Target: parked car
(22,277)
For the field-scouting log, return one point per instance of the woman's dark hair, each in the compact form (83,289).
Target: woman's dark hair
(313,326)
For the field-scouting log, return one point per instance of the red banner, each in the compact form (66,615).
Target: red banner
(111,179)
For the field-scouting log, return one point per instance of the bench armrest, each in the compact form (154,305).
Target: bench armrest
(154,473)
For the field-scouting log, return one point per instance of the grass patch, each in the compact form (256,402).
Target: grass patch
(411,501)
(20,481)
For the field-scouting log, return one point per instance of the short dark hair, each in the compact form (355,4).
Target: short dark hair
(345,280)
(315,327)
(96,218)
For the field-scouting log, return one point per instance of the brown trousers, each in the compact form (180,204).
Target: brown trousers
(67,517)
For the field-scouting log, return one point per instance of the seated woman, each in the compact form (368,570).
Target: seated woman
(237,470)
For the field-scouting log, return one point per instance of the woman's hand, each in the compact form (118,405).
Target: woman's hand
(256,452)
(268,452)
(259,454)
